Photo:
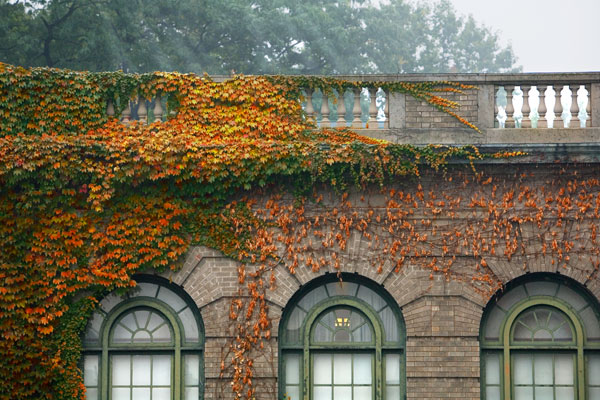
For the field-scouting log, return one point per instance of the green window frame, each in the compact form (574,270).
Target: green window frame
(342,339)
(540,339)
(155,333)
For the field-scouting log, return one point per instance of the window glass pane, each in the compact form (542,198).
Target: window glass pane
(169,297)
(292,393)
(541,288)
(342,369)
(592,328)
(563,333)
(162,334)
(341,336)
(563,369)
(140,393)
(192,370)
(322,368)
(142,337)
(293,326)
(593,369)
(141,370)
(160,394)
(121,335)
(145,289)
(312,298)
(362,393)
(511,297)
(128,321)
(121,394)
(543,369)
(393,393)
(141,317)
(544,393)
(109,302)
(94,326)
(523,367)
(565,393)
(341,288)
(190,326)
(161,370)
(492,393)
(322,334)
(191,393)
(570,296)
(523,393)
(390,324)
(155,321)
(493,322)
(342,392)
(392,369)
(322,392)
(371,298)
(91,394)
(292,368)
(121,370)
(492,369)
(362,369)
(90,370)
(594,393)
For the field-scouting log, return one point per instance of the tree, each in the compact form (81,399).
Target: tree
(248,36)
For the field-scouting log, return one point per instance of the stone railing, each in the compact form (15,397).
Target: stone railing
(508,108)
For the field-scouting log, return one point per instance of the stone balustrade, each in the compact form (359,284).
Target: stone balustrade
(508,108)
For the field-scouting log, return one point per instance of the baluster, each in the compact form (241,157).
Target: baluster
(386,110)
(356,109)
(588,108)
(310,111)
(157,110)
(557,103)
(142,110)
(533,102)
(574,105)
(510,121)
(526,110)
(582,104)
(341,110)
(517,100)
(325,122)
(566,102)
(372,121)
(550,104)
(110,109)
(501,106)
(126,114)
(542,110)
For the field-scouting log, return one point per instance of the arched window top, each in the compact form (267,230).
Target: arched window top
(150,313)
(141,326)
(542,324)
(342,325)
(358,293)
(559,296)
(146,343)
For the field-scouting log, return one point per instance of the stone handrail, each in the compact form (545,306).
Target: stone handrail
(508,108)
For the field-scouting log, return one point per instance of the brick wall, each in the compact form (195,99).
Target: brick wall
(442,317)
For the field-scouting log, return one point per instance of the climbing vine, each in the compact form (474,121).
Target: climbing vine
(87,201)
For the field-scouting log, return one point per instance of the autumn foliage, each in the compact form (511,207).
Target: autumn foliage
(86,201)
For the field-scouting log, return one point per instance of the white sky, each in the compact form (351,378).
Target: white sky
(546,35)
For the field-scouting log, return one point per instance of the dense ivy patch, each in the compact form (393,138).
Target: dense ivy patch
(86,201)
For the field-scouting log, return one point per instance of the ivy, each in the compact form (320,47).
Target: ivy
(87,201)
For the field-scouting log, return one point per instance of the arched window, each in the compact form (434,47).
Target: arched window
(540,339)
(146,344)
(342,341)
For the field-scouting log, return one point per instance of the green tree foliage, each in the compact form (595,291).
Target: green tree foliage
(248,36)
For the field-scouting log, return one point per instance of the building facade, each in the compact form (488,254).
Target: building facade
(526,327)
